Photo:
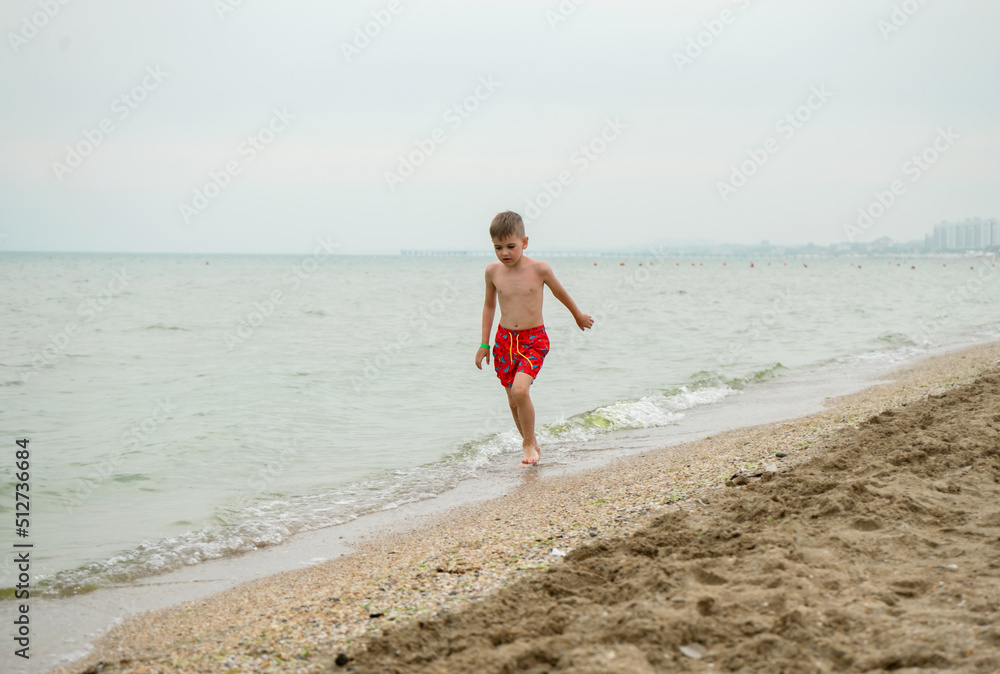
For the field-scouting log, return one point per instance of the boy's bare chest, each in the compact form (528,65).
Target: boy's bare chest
(522,285)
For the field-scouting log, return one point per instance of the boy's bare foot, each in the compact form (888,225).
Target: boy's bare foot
(532,454)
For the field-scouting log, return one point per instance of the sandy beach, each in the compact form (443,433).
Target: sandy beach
(861,538)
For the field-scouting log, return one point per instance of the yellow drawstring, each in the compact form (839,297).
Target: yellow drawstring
(514,347)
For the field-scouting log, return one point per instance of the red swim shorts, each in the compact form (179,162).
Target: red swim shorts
(519,351)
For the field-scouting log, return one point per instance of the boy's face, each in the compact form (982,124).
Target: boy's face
(509,250)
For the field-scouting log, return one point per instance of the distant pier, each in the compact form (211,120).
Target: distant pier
(444,253)
(489,253)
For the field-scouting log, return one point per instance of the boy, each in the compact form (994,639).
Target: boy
(521,342)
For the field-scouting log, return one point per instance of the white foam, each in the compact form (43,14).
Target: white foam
(274,520)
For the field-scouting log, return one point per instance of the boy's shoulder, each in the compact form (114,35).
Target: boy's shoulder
(538,266)
(530,265)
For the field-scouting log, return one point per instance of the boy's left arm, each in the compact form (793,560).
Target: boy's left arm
(549,279)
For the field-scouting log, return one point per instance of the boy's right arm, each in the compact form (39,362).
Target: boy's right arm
(489,310)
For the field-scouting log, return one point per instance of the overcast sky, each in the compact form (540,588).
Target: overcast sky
(667,98)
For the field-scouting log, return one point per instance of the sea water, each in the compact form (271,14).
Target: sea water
(184,408)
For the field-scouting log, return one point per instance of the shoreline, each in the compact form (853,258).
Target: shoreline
(76,622)
(301,620)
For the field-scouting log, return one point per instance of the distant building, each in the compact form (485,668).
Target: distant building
(970,234)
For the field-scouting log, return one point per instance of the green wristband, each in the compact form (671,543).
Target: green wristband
(484,346)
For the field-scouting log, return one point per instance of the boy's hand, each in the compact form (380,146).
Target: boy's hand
(584,321)
(480,354)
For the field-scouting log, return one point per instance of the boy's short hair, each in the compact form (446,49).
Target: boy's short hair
(506,224)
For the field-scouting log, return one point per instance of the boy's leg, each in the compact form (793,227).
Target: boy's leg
(513,409)
(524,413)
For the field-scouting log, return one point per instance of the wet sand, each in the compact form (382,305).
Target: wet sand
(873,544)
